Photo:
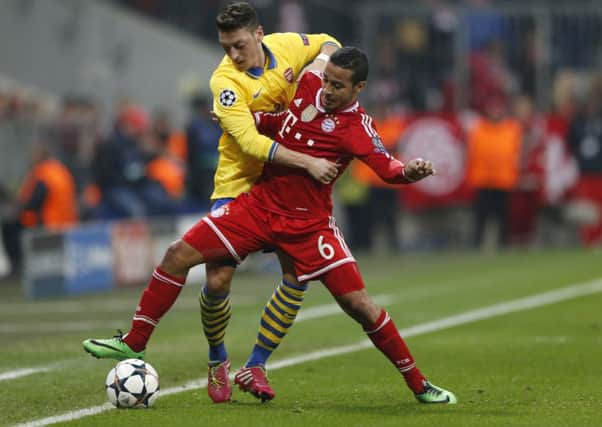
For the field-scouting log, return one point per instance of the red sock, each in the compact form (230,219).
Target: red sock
(386,338)
(158,297)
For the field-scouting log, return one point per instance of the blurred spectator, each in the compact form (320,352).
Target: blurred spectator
(526,199)
(47,199)
(494,147)
(202,136)
(413,57)
(564,103)
(384,88)
(585,141)
(382,200)
(74,135)
(120,169)
(174,140)
(292,17)
(489,76)
(165,171)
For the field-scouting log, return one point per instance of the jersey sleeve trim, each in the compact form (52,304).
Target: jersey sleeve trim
(330,43)
(272,152)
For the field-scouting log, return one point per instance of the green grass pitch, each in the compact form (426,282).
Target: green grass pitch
(531,367)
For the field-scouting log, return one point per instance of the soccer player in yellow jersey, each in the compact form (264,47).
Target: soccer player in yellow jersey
(258,73)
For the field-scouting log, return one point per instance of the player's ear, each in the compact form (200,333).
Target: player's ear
(259,33)
(359,86)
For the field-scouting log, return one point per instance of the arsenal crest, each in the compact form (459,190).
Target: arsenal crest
(289,75)
(309,113)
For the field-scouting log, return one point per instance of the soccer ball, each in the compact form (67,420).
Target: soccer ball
(132,383)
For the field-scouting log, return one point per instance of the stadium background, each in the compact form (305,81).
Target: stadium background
(72,71)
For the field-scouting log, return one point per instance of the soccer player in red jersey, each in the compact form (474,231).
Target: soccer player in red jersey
(289,210)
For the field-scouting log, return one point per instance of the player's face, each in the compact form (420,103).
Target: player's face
(243,47)
(338,90)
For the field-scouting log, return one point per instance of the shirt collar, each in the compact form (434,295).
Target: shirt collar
(258,71)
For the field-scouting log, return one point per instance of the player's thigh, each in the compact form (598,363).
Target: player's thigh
(344,282)
(230,232)
(180,255)
(287,264)
(318,252)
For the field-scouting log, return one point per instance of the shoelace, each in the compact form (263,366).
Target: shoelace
(213,378)
(429,389)
(119,335)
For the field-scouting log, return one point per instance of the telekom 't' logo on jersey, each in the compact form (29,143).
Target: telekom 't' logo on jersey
(288,123)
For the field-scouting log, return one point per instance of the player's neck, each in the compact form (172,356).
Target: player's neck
(338,110)
(261,59)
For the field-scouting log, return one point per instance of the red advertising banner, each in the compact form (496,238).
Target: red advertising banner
(133,252)
(441,140)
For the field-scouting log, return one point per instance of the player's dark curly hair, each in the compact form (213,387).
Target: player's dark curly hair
(237,15)
(351,58)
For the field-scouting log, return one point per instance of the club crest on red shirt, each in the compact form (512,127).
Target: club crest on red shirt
(289,75)
(328,124)
(221,211)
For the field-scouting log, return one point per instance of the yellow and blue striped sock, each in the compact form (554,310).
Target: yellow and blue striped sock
(278,316)
(215,315)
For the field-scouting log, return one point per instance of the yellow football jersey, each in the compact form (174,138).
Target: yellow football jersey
(237,94)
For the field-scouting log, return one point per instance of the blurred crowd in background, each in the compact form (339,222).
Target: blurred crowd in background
(507,102)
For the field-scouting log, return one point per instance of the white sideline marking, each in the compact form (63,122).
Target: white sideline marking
(19,328)
(10,375)
(22,372)
(330,309)
(538,300)
(108,306)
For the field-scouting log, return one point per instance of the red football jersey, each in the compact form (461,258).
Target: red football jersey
(339,136)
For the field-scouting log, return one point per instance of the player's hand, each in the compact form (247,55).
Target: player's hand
(323,170)
(214,117)
(418,169)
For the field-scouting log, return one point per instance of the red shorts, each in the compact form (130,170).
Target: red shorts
(241,227)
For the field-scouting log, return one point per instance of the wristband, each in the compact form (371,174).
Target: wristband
(323,57)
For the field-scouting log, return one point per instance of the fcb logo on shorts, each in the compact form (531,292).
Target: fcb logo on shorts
(221,211)
(289,75)
(328,124)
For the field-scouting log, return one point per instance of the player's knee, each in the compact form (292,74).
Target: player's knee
(359,306)
(177,257)
(290,279)
(219,280)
